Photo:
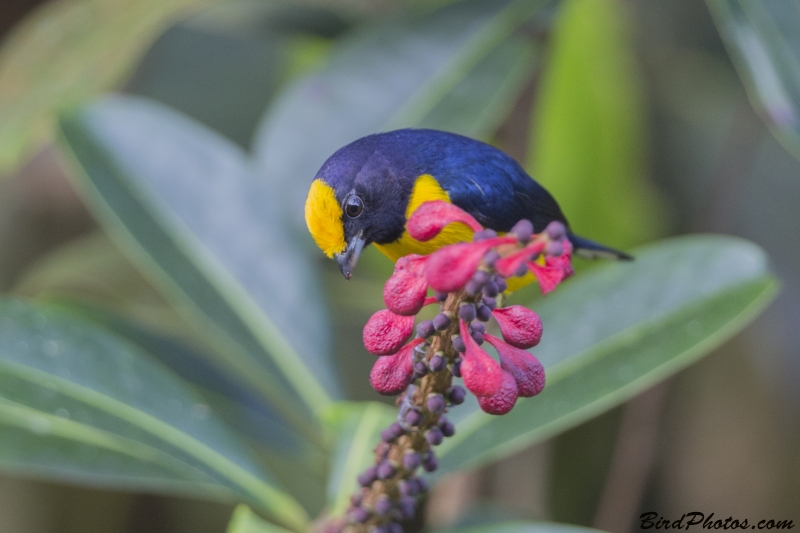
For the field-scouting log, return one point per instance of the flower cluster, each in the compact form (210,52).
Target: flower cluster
(467,280)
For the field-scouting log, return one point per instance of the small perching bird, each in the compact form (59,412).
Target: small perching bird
(367,190)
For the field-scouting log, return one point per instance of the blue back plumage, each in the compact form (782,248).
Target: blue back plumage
(479,178)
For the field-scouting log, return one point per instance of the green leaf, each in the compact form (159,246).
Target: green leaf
(244,520)
(589,128)
(617,330)
(520,527)
(66,52)
(391,75)
(357,427)
(182,201)
(763,39)
(79,404)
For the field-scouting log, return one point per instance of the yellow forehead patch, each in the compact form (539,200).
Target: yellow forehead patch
(324,218)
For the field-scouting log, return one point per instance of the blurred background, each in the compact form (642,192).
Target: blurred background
(661,140)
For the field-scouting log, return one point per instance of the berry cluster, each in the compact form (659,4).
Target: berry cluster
(467,280)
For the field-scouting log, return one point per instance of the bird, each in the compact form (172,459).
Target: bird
(366,191)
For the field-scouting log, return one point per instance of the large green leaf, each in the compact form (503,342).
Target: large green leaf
(183,201)
(618,329)
(79,404)
(395,74)
(520,527)
(357,427)
(66,52)
(763,39)
(589,133)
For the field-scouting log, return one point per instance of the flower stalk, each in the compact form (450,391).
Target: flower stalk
(468,279)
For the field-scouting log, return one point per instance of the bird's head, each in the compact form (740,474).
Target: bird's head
(358,197)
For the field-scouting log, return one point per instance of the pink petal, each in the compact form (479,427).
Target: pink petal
(431,217)
(448,269)
(385,332)
(391,374)
(564,262)
(548,276)
(404,292)
(507,266)
(482,375)
(526,369)
(520,326)
(503,400)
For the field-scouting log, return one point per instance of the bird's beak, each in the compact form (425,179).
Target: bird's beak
(347,259)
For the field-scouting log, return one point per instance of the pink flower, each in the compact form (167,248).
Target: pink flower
(391,374)
(502,401)
(431,217)
(548,276)
(520,326)
(509,265)
(404,292)
(527,371)
(450,268)
(385,332)
(482,375)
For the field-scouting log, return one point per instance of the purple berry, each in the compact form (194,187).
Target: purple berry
(491,258)
(387,436)
(435,403)
(385,470)
(484,234)
(407,506)
(359,515)
(434,436)
(481,277)
(522,230)
(408,487)
(466,312)
(491,289)
(420,368)
(556,230)
(394,527)
(472,288)
(554,248)
(422,485)
(414,418)
(491,303)
(383,505)
(457,395)
(521,270)
(429,462)
(440,296)
(437,363)
(458,344)
(355,499)
(478,326)
(501,283)
(447,427)
(484,313)
(369,475)
(411,460)
(441,322)
(477,337)
(425,329)
(456,368)
(379,529)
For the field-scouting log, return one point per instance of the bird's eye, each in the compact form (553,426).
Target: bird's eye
(353,206)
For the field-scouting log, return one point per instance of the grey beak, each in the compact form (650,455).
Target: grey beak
(347,260)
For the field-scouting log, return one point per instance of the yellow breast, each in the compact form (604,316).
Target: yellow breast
(426,189)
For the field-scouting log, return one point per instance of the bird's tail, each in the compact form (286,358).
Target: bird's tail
(592,250)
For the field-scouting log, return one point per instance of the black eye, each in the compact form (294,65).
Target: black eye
(353,206)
